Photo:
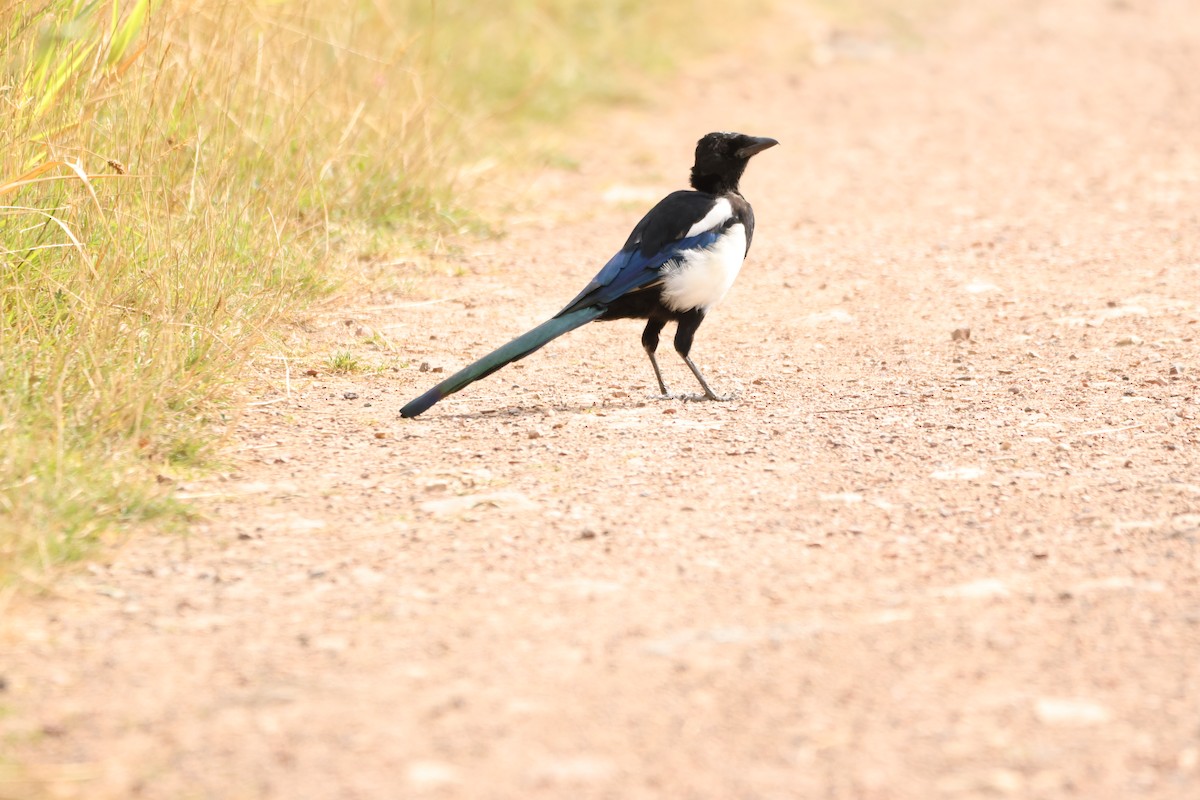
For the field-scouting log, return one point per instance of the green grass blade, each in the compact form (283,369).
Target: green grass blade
(124,34)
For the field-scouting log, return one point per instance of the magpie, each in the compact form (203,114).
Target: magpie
(678,262)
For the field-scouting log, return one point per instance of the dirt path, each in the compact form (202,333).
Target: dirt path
(899,566)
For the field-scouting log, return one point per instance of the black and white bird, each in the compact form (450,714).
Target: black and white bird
(679,261)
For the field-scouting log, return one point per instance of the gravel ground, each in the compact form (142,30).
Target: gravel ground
(943,544)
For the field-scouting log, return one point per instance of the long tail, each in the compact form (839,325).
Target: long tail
(518,348)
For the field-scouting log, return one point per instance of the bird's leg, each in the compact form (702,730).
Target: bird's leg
(684,334)
(703,384)
(650,343)
(658,374)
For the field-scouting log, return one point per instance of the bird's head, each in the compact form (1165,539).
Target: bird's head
(721,158)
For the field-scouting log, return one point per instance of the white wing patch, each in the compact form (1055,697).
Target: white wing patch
(702,277)
(716,217)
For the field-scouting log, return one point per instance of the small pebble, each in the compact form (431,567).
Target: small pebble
(1070,711)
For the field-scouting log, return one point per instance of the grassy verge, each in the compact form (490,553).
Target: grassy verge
(176,175)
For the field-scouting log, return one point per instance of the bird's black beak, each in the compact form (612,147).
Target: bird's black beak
(755,144)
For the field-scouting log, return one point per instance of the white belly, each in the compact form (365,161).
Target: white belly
(702,278)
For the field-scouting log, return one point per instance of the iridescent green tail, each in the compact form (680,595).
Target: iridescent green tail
(517,349)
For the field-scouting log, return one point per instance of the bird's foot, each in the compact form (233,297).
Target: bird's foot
(700,398)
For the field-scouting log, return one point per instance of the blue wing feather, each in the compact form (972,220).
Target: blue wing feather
(630,270)
(657,240)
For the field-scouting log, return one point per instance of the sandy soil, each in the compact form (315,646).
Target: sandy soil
(897,566)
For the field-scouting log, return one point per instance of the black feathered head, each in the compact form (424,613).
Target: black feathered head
(721,159)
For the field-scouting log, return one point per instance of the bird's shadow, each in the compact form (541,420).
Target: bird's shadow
(547,411)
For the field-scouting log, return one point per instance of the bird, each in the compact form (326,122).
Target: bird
(678,262)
